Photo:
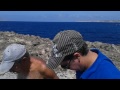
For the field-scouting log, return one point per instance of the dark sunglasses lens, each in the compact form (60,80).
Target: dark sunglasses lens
(64,66)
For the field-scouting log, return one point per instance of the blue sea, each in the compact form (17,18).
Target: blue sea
(91,31)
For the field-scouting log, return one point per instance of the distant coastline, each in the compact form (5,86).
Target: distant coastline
(107,21)
(115,21)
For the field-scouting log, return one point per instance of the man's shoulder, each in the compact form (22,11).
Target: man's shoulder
(38,64)
(38,60)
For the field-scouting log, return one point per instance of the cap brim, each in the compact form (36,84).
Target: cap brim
(54,62)
(5,67)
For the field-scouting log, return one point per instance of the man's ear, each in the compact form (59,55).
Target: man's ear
(77,56)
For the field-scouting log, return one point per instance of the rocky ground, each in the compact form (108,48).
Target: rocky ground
(41,47)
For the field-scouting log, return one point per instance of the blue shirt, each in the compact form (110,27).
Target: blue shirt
(102,68)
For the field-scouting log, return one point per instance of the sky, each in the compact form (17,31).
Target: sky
(58,16)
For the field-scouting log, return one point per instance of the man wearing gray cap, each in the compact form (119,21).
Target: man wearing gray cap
(71,52)
(17,59)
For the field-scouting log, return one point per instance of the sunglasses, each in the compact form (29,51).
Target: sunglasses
(68,58)
(67,66)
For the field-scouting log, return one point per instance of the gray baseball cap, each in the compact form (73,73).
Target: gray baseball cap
(12,53)
(65,43)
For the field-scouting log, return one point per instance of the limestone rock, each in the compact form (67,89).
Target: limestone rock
(41,47)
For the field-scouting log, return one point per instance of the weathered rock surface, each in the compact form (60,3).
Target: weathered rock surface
(41,47)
